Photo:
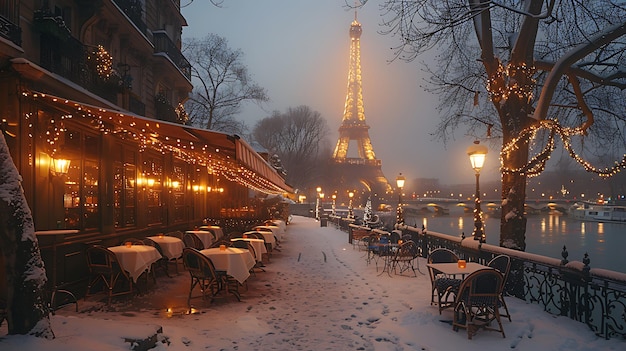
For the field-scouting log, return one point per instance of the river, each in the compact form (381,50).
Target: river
(546,234)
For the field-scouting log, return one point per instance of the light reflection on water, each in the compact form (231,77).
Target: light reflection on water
(546,234)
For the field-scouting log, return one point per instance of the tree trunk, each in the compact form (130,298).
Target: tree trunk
(513,218)
(27,308)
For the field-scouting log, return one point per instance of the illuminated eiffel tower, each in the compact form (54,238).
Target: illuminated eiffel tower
(363,172)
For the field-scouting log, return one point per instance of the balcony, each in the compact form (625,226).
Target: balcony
(68,58)
(163,44)
(133,10)
(8,24)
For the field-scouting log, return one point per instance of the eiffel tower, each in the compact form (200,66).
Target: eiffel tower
(363,172)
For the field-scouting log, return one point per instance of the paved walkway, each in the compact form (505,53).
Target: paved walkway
(318,293)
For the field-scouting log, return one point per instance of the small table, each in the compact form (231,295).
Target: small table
(172,247)
(136,259)
(205,236)
(453,269)
(235,262)
(218,233)
(257,244)
(271,228)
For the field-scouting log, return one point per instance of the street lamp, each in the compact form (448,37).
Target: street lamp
(334,208)
(321,204)
(399,214)
(317,202)
(477,154)
(350,213)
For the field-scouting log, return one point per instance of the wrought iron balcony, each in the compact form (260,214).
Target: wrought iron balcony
(8,29)
(163,43)
(68,58)
(133,10)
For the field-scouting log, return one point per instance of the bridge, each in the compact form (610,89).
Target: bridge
(442,205)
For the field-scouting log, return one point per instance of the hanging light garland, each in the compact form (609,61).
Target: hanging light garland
(147,137)
(537,164)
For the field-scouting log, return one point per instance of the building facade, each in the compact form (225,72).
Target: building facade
(92,95)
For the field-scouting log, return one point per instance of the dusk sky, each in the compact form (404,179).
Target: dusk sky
(298,51)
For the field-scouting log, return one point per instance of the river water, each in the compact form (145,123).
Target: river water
(546,234)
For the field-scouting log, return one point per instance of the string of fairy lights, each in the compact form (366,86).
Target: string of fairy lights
(513,79)
(537,163)
(147,136)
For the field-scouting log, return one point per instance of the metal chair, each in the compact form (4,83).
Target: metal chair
(193,241)
(405,257)
(477,303)
(104,267)
(502,263)
(440,284)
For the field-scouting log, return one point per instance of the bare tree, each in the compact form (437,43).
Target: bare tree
(27,310)
(299,138)
(531,72)
(221,84)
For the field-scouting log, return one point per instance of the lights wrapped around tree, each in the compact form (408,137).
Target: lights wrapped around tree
(537,163)
(104,62)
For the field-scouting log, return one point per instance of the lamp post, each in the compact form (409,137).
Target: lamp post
(321,205)
(477,154)
(334,208)
(350,213)
(317,203)
(399,213)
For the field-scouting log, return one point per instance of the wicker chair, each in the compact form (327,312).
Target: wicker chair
(443,288)
(502,263)
(105,268)
(477,302)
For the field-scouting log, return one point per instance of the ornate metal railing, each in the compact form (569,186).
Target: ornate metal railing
(596,297)
(163,43)
(8,28)
(133,10)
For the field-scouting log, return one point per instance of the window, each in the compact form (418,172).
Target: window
(152,184)
(124,181)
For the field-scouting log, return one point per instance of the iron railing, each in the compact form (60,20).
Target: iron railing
(596,297)
(9,21)
(163,44)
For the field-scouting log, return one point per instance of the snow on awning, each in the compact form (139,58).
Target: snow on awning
(227,155)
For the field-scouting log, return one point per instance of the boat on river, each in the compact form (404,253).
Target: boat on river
(598,212)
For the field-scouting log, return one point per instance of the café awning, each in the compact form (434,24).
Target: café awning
(227,155)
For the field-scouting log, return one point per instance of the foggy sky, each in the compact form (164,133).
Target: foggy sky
(298,51)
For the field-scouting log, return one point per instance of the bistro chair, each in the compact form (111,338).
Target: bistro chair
(442,286)
(406,256)
(163,262)
(104,268)
(202,274)
(476,304)
(502,263)
(192,240)
(395,236)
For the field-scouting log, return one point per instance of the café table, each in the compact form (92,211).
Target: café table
(278,233)
(268,236)
(217,231)
(136,259)
(235,262)
(205,236)
(257,244)
(172,247)
(452,269)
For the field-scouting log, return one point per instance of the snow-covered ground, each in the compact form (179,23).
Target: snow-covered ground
(318,293)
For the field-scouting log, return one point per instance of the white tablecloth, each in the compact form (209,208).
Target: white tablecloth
(235,262)
(278,233)
(136,259)
(217,231)
(268,236)
(172,247)
(257,244)
(205,236)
